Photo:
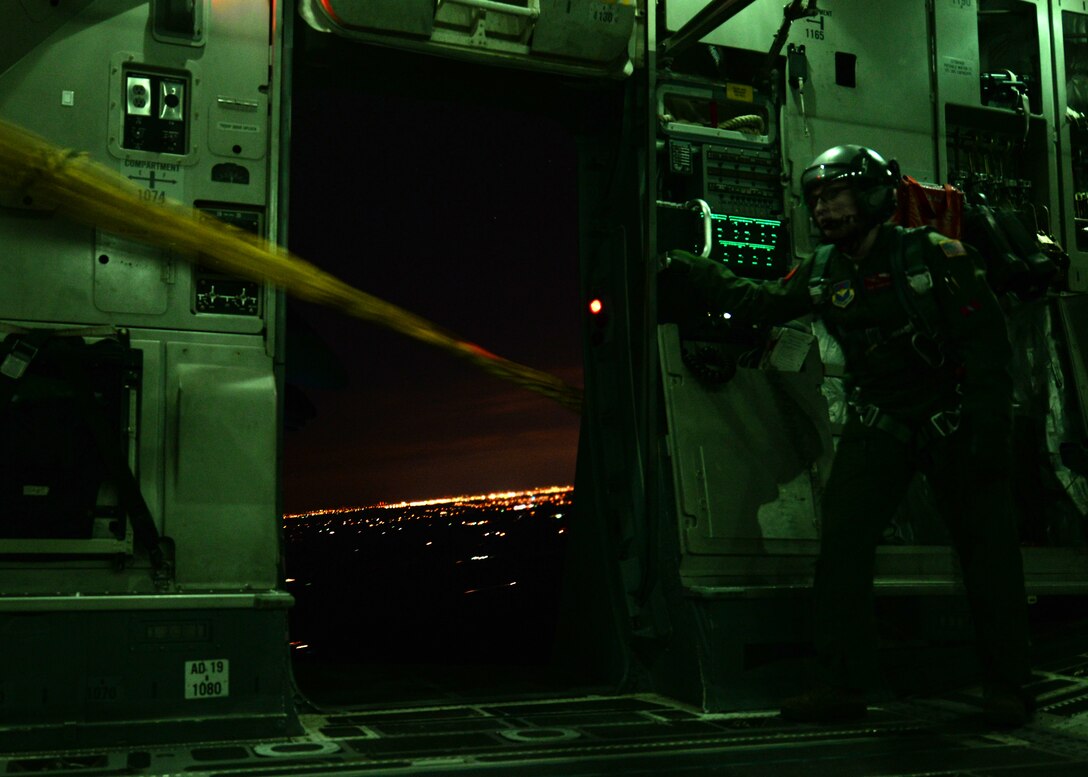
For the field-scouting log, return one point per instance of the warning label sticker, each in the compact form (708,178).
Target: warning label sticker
(232,126)
(954,66)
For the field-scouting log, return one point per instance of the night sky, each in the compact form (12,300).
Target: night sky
(466,215)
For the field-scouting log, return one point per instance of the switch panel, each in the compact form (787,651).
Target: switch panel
(156,113)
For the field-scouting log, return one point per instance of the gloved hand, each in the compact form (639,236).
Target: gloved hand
(679,297)
(685,262)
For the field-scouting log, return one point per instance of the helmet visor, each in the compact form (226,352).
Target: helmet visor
(824,191)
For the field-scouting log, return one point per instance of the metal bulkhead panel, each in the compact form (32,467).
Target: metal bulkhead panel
(412,17)
(590,38)
(28,22)
(175,97)
(185,115)
(594,31)
(846,81)
(184,123)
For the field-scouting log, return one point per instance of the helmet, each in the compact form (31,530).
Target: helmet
(873,180)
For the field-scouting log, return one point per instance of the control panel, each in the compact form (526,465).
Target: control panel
(742,179)
(719,147)
(748,246)
(216,292)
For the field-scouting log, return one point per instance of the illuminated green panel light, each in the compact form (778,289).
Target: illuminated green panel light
(745,220)
(739,244)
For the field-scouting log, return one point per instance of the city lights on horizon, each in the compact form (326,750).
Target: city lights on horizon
(490,497)
(487,550)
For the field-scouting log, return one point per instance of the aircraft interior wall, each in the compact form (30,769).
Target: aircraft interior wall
(966,93)
(141,404)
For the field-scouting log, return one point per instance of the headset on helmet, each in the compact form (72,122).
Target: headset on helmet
(873,179)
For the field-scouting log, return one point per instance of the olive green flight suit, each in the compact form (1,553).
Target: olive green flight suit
(968,469)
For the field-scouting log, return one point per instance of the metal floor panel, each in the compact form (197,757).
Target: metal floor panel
(941,736)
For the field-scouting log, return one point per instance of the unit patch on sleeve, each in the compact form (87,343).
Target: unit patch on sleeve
(842,294)
(952,248)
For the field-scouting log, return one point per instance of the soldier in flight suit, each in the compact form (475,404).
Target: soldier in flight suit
(938,401)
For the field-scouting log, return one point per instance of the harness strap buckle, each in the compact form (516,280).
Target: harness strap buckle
(928,350)
(946,422)
(869,414)
(873,417)
(18,359)
(921,281)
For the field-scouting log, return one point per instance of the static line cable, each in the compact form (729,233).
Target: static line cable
(749,122)
(790,13)
(92,194)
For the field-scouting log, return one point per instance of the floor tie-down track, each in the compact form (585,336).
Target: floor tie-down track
(638,734)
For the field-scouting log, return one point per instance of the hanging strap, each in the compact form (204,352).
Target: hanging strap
(913,282)
(817,282)
(132,499)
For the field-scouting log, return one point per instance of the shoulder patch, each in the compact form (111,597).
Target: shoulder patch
(952,248)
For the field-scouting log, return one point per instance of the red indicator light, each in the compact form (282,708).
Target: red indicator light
(596,306)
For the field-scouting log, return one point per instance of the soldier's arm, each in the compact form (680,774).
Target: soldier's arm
(976,327)
(714,288)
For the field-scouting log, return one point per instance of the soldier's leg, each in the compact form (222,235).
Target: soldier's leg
(869,477)
(977,508)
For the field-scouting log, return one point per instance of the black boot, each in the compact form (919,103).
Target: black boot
(1006,706)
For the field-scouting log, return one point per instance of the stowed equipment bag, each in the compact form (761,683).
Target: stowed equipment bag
(65,410)
(1017,261)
